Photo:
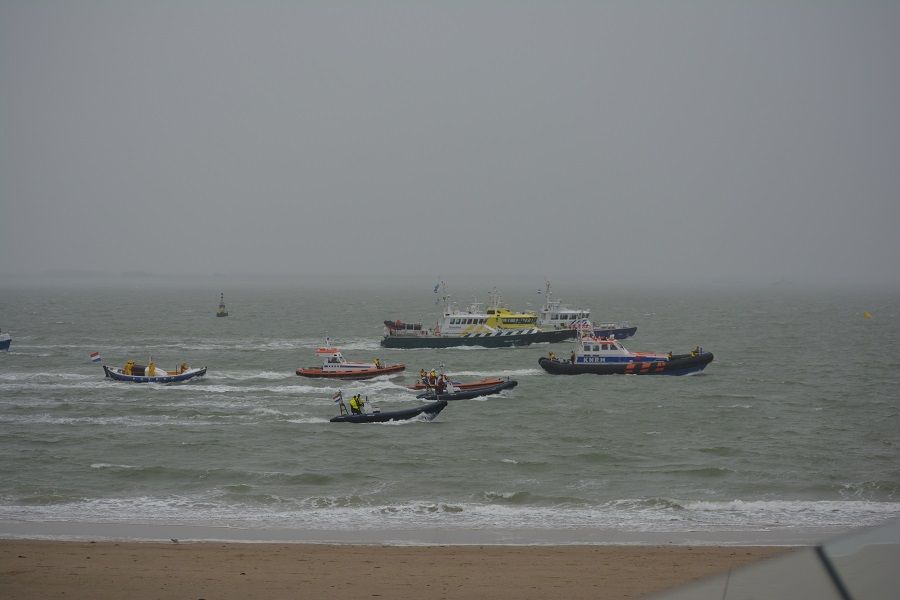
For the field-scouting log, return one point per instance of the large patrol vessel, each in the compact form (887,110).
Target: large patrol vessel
(493,327)
(555,315)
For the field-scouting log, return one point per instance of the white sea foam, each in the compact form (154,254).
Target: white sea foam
(82,385)
(226,388)
(249,375)
(267,411)
(48,377)
(795,511)
(349,514)
(498,373)
(121,421)
(352,344)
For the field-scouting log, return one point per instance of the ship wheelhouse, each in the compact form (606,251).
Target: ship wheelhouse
(608,350)
(333,360)
(555,314)
(602,350)
(562,317)
(457,322)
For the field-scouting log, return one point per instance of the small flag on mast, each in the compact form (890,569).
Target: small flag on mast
(95,357)
(338,396)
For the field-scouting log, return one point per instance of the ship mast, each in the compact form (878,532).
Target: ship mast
(548,304)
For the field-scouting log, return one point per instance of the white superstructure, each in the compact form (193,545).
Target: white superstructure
(555,315)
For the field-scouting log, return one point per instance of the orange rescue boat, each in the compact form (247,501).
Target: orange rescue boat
(335,366)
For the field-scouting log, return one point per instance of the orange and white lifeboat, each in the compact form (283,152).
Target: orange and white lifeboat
(335,366)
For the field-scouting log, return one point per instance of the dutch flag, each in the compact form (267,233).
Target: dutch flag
(338,396)
(95,357)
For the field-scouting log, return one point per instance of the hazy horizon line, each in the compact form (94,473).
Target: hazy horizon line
(410,280)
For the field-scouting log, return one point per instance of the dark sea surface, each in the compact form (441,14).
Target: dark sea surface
(793,427)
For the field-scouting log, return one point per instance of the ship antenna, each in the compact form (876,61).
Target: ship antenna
(445,297)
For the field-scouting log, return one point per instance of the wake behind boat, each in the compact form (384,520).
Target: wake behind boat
(606,356)
(335,366)
(150,373)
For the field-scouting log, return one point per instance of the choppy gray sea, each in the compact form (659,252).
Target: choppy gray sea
(793,427)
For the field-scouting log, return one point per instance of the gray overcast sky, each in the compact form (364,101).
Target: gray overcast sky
(616,141)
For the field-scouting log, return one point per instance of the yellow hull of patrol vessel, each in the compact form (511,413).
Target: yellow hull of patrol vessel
(500,317)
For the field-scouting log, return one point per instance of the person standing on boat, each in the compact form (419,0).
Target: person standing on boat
(356,405)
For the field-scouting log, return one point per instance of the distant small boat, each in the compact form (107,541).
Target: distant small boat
(5,341)
(135,373)
(222,312)
(335,366)
(428,411)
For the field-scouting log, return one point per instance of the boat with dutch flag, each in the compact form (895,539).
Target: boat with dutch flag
(357,412)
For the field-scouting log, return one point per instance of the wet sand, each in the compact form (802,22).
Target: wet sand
(211,570)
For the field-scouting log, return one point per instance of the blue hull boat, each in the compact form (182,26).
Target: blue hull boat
(466,394)
(163,377)
(429,411)
(679,364)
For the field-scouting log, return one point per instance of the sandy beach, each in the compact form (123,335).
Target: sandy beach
(138,570)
